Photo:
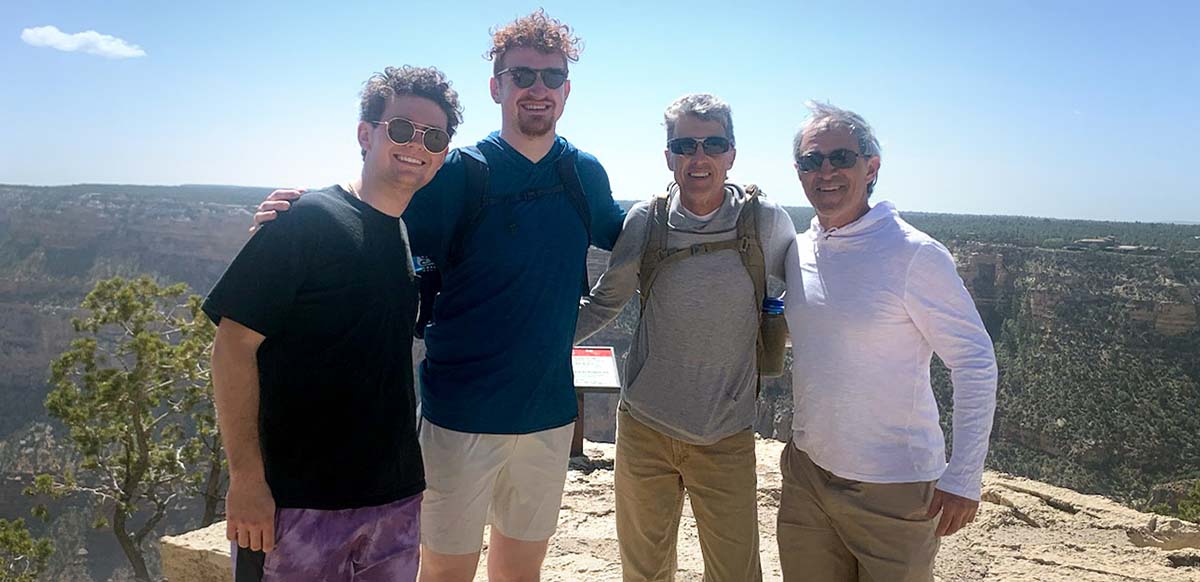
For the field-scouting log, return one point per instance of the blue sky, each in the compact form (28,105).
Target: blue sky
(1064,109)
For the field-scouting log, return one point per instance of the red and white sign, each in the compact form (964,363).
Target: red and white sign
(595,367)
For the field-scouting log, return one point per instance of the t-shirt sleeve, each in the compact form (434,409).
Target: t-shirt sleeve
(260,285)
(607,215)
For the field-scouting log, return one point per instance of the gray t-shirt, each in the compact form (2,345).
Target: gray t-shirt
(692,371)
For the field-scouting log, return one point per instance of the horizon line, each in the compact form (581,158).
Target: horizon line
(615,199)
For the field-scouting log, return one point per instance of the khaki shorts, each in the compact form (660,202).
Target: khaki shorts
(512,481)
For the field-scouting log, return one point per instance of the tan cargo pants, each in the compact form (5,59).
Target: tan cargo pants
(652,473)
(837,530)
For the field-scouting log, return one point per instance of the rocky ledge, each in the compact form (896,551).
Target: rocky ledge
(1026,531)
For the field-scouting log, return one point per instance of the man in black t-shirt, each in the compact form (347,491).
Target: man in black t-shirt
(312,361)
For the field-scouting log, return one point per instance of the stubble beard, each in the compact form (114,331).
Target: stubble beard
(535,127)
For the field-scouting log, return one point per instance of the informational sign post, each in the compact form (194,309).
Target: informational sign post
(595,371)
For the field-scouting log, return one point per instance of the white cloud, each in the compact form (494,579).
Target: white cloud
(90,42)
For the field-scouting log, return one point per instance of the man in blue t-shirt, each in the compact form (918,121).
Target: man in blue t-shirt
(497,393)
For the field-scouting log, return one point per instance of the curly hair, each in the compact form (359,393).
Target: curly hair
(536,31)
(427,82)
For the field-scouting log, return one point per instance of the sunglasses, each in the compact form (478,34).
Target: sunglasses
(687,146)
(402,131)
(524,77)
(840,159)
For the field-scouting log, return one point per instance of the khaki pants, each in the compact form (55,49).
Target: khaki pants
(837,530)
(652,472)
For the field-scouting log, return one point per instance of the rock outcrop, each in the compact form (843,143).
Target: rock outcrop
(1026,531)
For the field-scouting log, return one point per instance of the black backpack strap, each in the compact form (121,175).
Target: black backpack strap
(476,189)
(569,176)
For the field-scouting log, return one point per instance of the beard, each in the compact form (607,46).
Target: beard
(535,126)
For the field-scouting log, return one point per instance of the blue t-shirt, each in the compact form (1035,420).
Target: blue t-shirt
(498,353)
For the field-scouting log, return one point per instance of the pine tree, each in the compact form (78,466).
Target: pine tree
(134,390)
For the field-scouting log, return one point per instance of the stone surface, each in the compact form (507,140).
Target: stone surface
(1025,531)
(197,556)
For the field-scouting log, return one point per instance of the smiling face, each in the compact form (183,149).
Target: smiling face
(839,195)
(700,175)
(533,111)
(405,167)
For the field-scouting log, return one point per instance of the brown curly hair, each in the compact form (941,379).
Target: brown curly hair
(427,82)
(536,31)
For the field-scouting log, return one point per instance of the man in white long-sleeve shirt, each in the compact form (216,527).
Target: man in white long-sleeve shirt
(870,299)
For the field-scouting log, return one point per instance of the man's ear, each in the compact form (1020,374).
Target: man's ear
(494,86)
(364,135)
(873,168)
(732,156)
(670,160)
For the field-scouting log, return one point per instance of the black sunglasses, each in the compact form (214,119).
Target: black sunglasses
(524,77)
(687,146)
(840,159)
(401,131)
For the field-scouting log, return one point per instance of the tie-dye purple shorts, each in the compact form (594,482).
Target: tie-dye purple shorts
(367,544)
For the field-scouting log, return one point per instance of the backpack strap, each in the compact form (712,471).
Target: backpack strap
(656,247)
(750,244)
(476,166)
(754,260)
(747,243)
(569,176)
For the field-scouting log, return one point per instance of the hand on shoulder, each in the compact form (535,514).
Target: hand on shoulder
(276,202)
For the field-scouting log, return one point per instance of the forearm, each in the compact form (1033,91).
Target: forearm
(594,314)
(974,408)
(616,285)
(607,299)
(236,395)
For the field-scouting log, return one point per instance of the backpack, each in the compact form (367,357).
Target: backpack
(656,254)
(476,203)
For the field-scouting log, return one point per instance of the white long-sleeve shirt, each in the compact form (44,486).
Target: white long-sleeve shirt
(867,306)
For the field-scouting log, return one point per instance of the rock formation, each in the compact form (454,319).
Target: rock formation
(1026,531)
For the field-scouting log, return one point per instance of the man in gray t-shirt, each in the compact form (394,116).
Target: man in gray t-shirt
(685,418)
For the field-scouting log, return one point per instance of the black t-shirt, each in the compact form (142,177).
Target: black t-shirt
(330,284)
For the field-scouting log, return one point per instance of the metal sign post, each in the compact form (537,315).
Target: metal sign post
(595,371)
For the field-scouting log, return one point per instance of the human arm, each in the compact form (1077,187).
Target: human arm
(619,281)
(945,314)
(781,238)
(252,301)
(607,215)
(957,511)
(249,506)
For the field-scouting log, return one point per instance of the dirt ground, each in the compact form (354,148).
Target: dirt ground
(1026,531)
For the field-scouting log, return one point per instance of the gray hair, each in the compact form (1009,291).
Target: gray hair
(703,106)
(825,115)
